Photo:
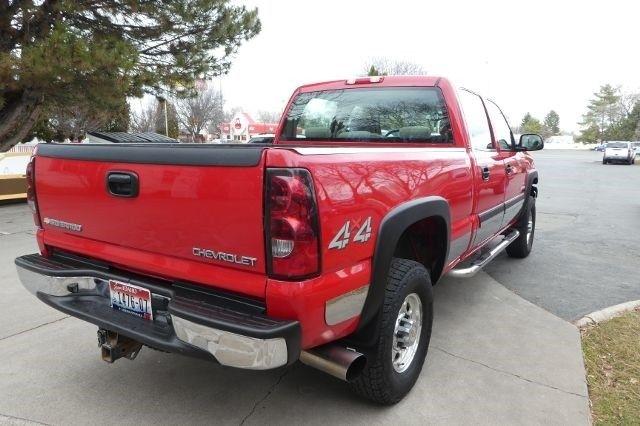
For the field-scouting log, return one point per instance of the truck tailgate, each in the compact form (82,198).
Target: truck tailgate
(198,213)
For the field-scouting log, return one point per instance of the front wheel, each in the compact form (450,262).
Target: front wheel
(404,330)
(526,225)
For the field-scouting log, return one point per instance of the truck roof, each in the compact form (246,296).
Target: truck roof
(386,81)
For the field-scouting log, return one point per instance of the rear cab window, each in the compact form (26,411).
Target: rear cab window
(618,145)
(383,115)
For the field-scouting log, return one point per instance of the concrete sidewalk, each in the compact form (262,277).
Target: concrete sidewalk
(494,359)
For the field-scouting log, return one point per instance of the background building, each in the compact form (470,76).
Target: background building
(243,127)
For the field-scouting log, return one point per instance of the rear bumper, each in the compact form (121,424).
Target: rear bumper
(230,330)
(617,157)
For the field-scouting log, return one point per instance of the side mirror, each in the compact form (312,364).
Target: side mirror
(530,142)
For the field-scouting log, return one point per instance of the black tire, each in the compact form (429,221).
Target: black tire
(521,247)
(379,381)
(604,161)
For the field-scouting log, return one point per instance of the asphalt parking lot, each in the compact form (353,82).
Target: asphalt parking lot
(495,357)
(587,248)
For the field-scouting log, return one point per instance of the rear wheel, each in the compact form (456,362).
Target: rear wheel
(406,317)
(604,161)
(526,225)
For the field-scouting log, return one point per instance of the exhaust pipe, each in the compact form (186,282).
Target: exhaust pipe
(114,346)
(338,361)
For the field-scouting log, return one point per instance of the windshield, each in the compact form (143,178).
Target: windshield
(617,145)
(394,114)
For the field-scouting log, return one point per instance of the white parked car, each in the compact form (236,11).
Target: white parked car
(620,152)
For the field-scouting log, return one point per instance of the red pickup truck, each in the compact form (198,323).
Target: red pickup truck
(320,247)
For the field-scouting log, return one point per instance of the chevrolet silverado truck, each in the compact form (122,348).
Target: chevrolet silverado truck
(321,247)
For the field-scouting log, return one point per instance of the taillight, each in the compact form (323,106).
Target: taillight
(291,224)
(31,190)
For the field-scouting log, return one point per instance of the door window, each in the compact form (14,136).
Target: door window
(475,117)
(501,130)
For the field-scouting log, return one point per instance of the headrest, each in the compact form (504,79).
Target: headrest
(414,132)
(317,132)
(358,134)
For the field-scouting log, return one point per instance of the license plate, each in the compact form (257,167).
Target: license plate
(130,299)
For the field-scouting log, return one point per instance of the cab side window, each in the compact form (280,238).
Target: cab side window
(475,117)
(501,130)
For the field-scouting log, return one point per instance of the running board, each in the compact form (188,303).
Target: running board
(485,258)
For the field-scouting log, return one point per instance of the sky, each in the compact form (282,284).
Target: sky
(529,56)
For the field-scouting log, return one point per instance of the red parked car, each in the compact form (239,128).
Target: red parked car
(322,247)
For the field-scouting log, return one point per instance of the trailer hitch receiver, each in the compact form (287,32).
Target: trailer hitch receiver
(114,346)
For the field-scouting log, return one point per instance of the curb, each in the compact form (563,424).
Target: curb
(606,314)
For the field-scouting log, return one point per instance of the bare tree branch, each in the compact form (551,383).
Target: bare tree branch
(390,66)
(199,112)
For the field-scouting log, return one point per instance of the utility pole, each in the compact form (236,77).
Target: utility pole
(163,100)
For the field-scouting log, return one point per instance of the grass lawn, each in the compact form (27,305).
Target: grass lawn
(612,358)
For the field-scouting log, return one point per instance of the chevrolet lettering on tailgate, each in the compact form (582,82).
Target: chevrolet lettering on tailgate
(225,257)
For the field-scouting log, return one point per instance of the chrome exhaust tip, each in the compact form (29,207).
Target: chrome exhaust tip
(338,361)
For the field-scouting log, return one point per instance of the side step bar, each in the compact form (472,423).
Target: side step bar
(481,262)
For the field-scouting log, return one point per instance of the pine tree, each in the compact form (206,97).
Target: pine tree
(56,54)
(530,124)
(171,119)
(552,123)
(603,115)
(373,71)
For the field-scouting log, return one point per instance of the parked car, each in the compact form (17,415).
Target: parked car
(636,147)
(600,148)
(321,247)
(619,152)
(263,138)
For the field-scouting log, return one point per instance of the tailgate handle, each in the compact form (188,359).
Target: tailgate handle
(122,184)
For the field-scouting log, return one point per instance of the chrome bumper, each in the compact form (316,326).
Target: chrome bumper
(227,347)
(233,349)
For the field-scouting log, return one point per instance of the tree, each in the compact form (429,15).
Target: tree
(629,127)
(144,120)
(388,66)
(171,119)
(530,124)
(373,71)
(604,113)
(552,123)
(228,115)
(73,121)
(628,101)
(269,116)
(54,54)
(118,120)
(198,112)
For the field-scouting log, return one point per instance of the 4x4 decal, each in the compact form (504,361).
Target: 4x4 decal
(341,239)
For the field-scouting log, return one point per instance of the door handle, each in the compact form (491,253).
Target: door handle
(123,184)
(485,173)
